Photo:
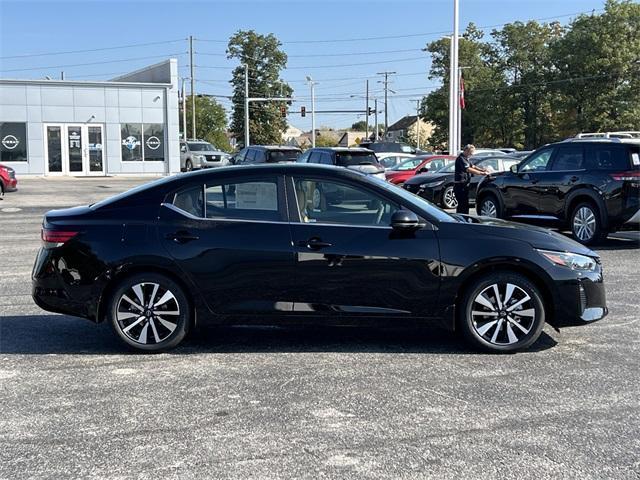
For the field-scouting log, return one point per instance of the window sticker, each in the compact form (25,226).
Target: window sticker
(635,156)
(257,196)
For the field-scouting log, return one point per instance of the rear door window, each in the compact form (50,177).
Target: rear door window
(260,156)
(568,158)
(348,159)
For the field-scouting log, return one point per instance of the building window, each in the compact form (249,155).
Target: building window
(142,142)
(13,142)
(154,142)
(131,142)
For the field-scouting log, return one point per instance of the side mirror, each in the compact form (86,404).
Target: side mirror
(183,149)
(423,169)
(405,220)
(514,168)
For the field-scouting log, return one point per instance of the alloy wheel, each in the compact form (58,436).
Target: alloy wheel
(488,208)
(449,198)
(584,224)
(503,314)
(147,313)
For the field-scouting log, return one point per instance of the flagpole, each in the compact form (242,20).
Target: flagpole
(459,107)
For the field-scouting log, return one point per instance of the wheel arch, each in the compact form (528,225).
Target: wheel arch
(132,270)
(522,267)
(481,194)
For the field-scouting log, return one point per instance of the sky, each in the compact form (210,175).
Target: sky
(339,44)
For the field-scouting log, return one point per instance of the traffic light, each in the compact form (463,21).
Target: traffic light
(303,111)
(371,111)
(283,111)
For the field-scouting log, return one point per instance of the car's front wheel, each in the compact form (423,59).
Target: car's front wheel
(188,165)
(502,312)
(489,206)
(149,312)
(449,199)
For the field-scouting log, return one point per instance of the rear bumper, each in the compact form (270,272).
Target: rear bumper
(10,184)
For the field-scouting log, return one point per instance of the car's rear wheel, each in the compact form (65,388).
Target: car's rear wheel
(449,199)
(149,312)
(489,207)
(502,312)
(585,224)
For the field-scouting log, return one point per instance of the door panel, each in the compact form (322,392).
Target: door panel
(564,174)
(95,149)
(521,192)
(350,262)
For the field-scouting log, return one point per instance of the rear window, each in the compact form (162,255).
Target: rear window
(608,157)
(274,156)
(348,159)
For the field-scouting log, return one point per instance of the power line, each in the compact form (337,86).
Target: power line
(375,52)
(93,63)
(341,65)
(131,45)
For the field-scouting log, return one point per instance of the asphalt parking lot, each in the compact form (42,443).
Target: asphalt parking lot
(307,403)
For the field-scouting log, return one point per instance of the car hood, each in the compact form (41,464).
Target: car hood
(367,169)
(537,237)
(208,152)
(427,178)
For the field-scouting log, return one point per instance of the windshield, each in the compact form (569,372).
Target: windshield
(414,200)
(349,159)
(408,165)
(282,156)
(450,168)
(201,147)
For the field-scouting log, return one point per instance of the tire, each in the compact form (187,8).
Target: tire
(449,198)
(585,224)
(140,326)
(491,326)
(188,166)
(489,206)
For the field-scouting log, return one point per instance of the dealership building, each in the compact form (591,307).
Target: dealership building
(125,126)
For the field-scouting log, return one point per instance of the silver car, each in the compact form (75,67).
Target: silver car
(201,154)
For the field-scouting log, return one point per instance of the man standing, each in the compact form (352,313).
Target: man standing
(462,178)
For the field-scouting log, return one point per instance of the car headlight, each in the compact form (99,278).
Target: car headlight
(573,261)
(432,185)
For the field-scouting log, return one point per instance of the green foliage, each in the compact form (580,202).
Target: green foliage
(533,83)
(262,54)
(211,122)
(360,126)
(326,141)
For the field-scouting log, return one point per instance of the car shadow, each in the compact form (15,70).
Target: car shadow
(620,241)
(60,334)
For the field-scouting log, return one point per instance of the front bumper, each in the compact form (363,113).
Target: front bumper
(581,300)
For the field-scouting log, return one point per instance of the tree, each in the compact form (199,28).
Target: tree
(360,126)
(211,122)
(265,60)
(598,69)
(326,141)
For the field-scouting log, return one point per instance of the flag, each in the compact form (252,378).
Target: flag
(461,91)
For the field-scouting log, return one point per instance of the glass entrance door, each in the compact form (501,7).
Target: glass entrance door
(74,149)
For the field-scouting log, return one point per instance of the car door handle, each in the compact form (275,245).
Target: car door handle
(314,244)
(181,237)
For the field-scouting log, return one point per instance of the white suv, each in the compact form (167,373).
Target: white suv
(201,154)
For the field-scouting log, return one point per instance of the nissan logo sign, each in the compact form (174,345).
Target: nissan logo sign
(10,142)
(153,143)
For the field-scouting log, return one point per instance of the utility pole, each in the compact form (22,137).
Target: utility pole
(386,88)
(193,91)
(366,109)
(418,125)
(375,107)
(246,105)
(184,111)
(313,111)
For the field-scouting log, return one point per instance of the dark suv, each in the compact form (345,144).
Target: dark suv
(266,154)
(591,187)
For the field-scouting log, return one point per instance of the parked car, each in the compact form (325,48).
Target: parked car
(196,154)
(437,187)
(388,147)
(358,159)
(407,169)
(266,154)
(391,159)
(8,178)
(591,187)
(520,153)
(155,260)
(487,152)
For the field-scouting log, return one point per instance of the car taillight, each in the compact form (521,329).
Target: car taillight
(53,238)
(632,175)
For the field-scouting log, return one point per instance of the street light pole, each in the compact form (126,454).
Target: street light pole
(246,105)
(366,109)
(417,124)
(454,74)
(193,90)
(313,111)
(375,117)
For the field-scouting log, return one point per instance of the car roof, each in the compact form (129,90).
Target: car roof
(275,147)
(343,149)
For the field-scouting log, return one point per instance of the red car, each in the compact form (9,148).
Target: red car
(407,169)
(8,178)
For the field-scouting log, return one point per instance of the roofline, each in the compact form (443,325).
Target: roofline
(82,83)
(142,69)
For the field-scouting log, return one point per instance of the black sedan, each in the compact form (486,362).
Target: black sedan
(437,187)
(249,246)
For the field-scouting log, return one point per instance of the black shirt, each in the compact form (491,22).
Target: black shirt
(461,173)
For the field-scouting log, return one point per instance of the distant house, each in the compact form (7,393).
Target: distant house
(350,139)
(406,127)
(290,135)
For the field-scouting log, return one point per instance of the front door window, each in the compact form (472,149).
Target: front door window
(54,148)
(95,149)
(74,138)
